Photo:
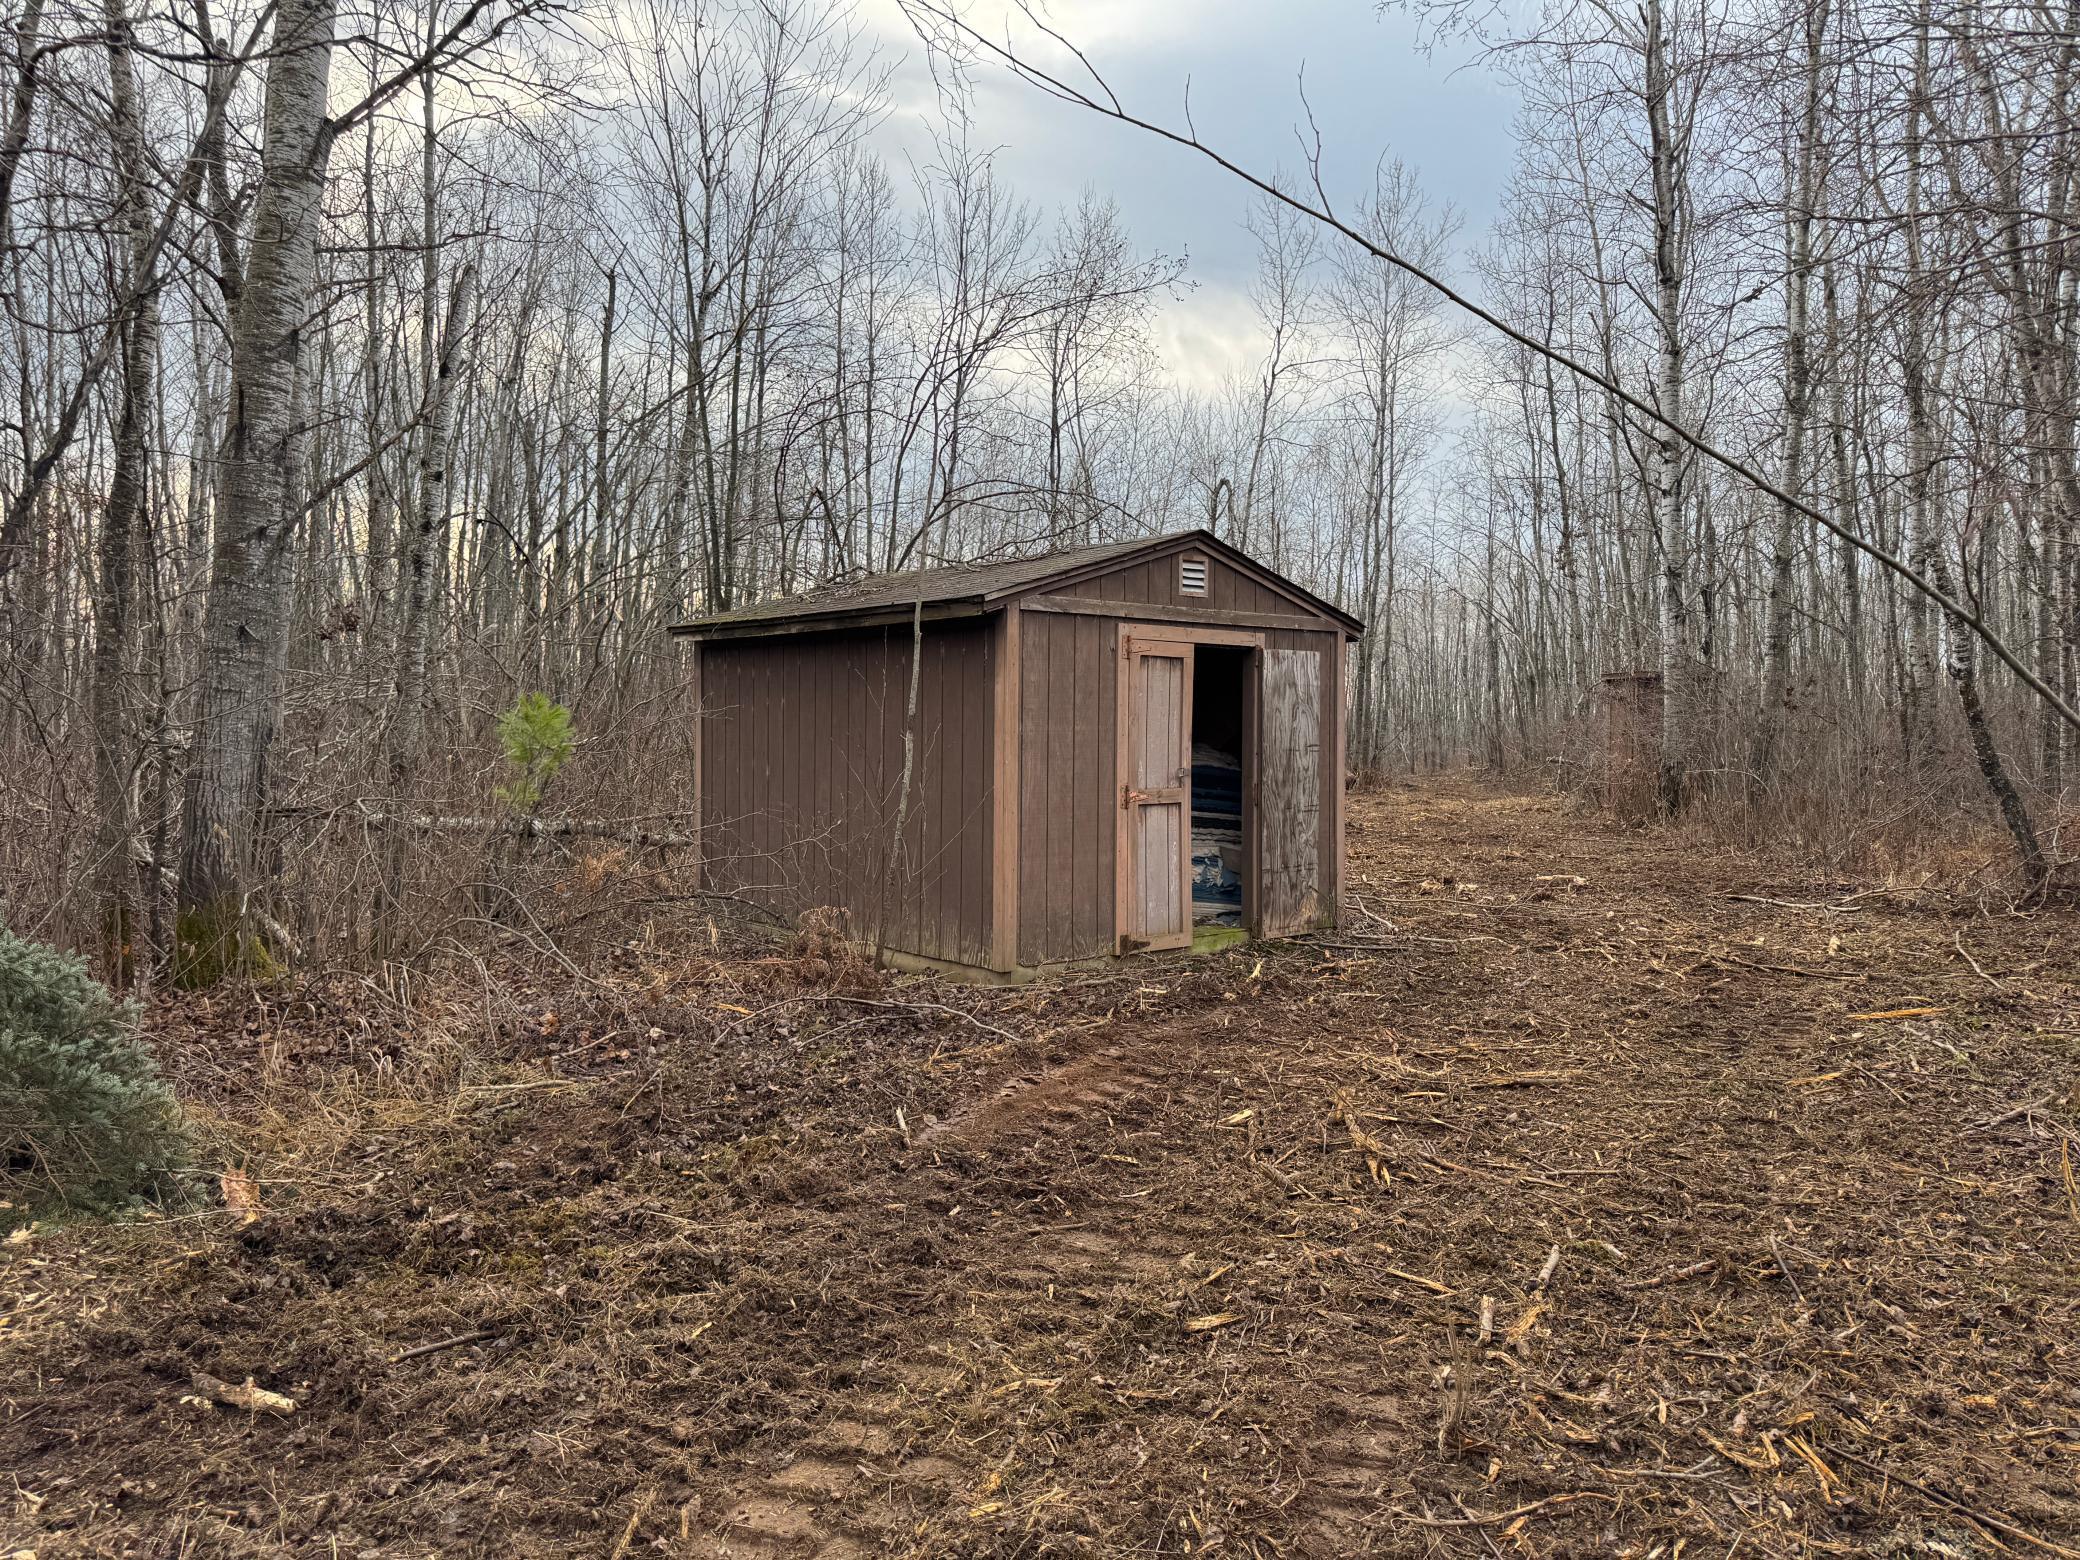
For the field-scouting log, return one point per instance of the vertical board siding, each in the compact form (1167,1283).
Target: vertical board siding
(801,777)
(1062,844)
(1154,581)
(1069,777)
(1298,772)
(1092,873)
(1068,806)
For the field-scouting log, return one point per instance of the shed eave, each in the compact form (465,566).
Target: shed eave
(701,629)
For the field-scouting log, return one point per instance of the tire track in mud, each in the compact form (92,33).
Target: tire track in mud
(1055,1098)
(866,1479)
(884,1472)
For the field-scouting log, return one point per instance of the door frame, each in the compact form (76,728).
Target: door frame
(1123,877)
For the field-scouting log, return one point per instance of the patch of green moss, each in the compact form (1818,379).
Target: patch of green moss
(1212,939)
(212,942)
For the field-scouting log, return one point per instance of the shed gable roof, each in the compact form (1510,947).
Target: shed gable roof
(980,586)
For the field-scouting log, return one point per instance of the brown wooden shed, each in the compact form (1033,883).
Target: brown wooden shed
(1112,747)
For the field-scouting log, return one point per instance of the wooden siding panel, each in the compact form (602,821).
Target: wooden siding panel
(1102,697)
(717,736)
(1154,581)
(849,770)
(1036,702)
(1007,694)
(908,824)
(934,756)
(773,826)
(1091,874)
(967,907)
(978,792)
(789,777)
(871,862)
(749,771)
(1061,738)
(949,770)
(1068,787)
(980,917)
(821,696)
(1337,728)
(801,777)
(901,865)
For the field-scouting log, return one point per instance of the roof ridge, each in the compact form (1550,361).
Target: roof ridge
(977,586)
(974,577)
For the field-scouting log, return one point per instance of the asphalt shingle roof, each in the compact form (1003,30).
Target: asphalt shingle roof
(946,582)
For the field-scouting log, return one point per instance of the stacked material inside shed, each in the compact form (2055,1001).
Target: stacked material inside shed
(1216,835)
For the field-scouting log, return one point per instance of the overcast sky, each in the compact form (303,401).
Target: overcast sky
(1375,93)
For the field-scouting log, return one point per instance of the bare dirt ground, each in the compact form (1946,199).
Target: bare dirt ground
(1588,1193)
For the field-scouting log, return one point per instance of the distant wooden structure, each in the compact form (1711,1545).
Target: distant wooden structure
(1632,744)
(1038,807)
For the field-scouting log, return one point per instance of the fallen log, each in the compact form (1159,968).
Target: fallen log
(524,828)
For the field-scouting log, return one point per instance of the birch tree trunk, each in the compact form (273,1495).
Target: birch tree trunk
(1963,643)
(1917,699)
(1777,693)
(227,783)
(1671,456)
(426,561)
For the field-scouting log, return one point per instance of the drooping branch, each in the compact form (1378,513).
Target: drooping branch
(952,35)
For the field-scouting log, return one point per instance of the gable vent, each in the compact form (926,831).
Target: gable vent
(1191,577)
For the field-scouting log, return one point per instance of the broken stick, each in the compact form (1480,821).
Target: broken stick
(253,1399)
(1545,1274)
(1675,1276)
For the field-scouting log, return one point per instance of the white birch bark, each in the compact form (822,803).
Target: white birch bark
(227,784)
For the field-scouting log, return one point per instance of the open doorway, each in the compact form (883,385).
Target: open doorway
(1220,859)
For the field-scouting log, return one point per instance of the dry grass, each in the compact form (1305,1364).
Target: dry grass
(1562,1203)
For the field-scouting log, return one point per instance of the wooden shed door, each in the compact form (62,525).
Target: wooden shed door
(1289,806)
(1155,836)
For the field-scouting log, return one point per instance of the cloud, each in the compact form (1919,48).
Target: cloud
(1372,91)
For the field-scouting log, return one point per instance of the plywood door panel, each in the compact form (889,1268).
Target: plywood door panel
(1155,909)
(1289,811)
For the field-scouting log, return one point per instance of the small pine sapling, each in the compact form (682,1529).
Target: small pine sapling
(536,736)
